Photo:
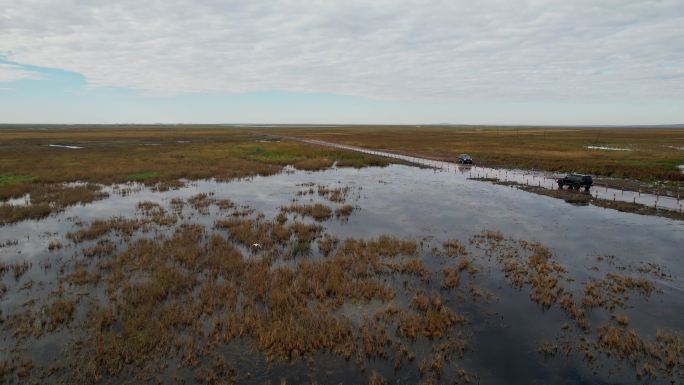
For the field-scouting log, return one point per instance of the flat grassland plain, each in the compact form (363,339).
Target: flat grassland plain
(219,255)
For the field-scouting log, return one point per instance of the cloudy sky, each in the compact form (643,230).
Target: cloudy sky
(286,61)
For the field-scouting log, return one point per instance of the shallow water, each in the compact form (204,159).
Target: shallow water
(532,178)
(71,147)
(605,148)
(431,205)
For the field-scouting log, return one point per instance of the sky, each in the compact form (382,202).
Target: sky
(547,62)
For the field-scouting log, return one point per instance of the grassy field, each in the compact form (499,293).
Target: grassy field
(653,154)
(154,155)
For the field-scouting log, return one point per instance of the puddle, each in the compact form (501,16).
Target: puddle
(21,201)
(65,146)
(605,148)
(430,204)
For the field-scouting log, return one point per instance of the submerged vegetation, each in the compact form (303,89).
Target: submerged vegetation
(156,289)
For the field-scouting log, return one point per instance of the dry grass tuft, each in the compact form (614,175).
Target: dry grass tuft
(59,313)
(103,247)
(19,268)
(327,243)
(98,228)
(318,212)
(335,195)
(450,279)
(453,248)
(343,212)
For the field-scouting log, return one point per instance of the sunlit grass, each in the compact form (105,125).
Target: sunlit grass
(9,179)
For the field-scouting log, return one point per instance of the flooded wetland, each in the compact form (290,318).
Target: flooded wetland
(289,263)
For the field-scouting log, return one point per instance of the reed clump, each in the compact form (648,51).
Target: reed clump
(201,202)
(19,268)
(81,276)
(334,195)
(155,213)
(55,245)
(429,318)
(319,212)
(121,226)
(343,212)
(103,247)
(453,248)
(662,356)
(526,264)
(327,243)
(450,278)
(9,242)
(58,313)
(412,266)
(613,291)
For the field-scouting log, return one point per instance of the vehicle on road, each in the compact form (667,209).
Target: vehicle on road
(575,181)
(465,159)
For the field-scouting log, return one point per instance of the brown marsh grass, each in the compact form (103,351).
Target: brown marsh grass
(531,265)
(103,247)
(319,212)
(98,228)
(334,195)
(190,291)
(343,212)
(286,313)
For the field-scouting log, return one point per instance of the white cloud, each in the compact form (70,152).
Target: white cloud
(404,49)
(12,73)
